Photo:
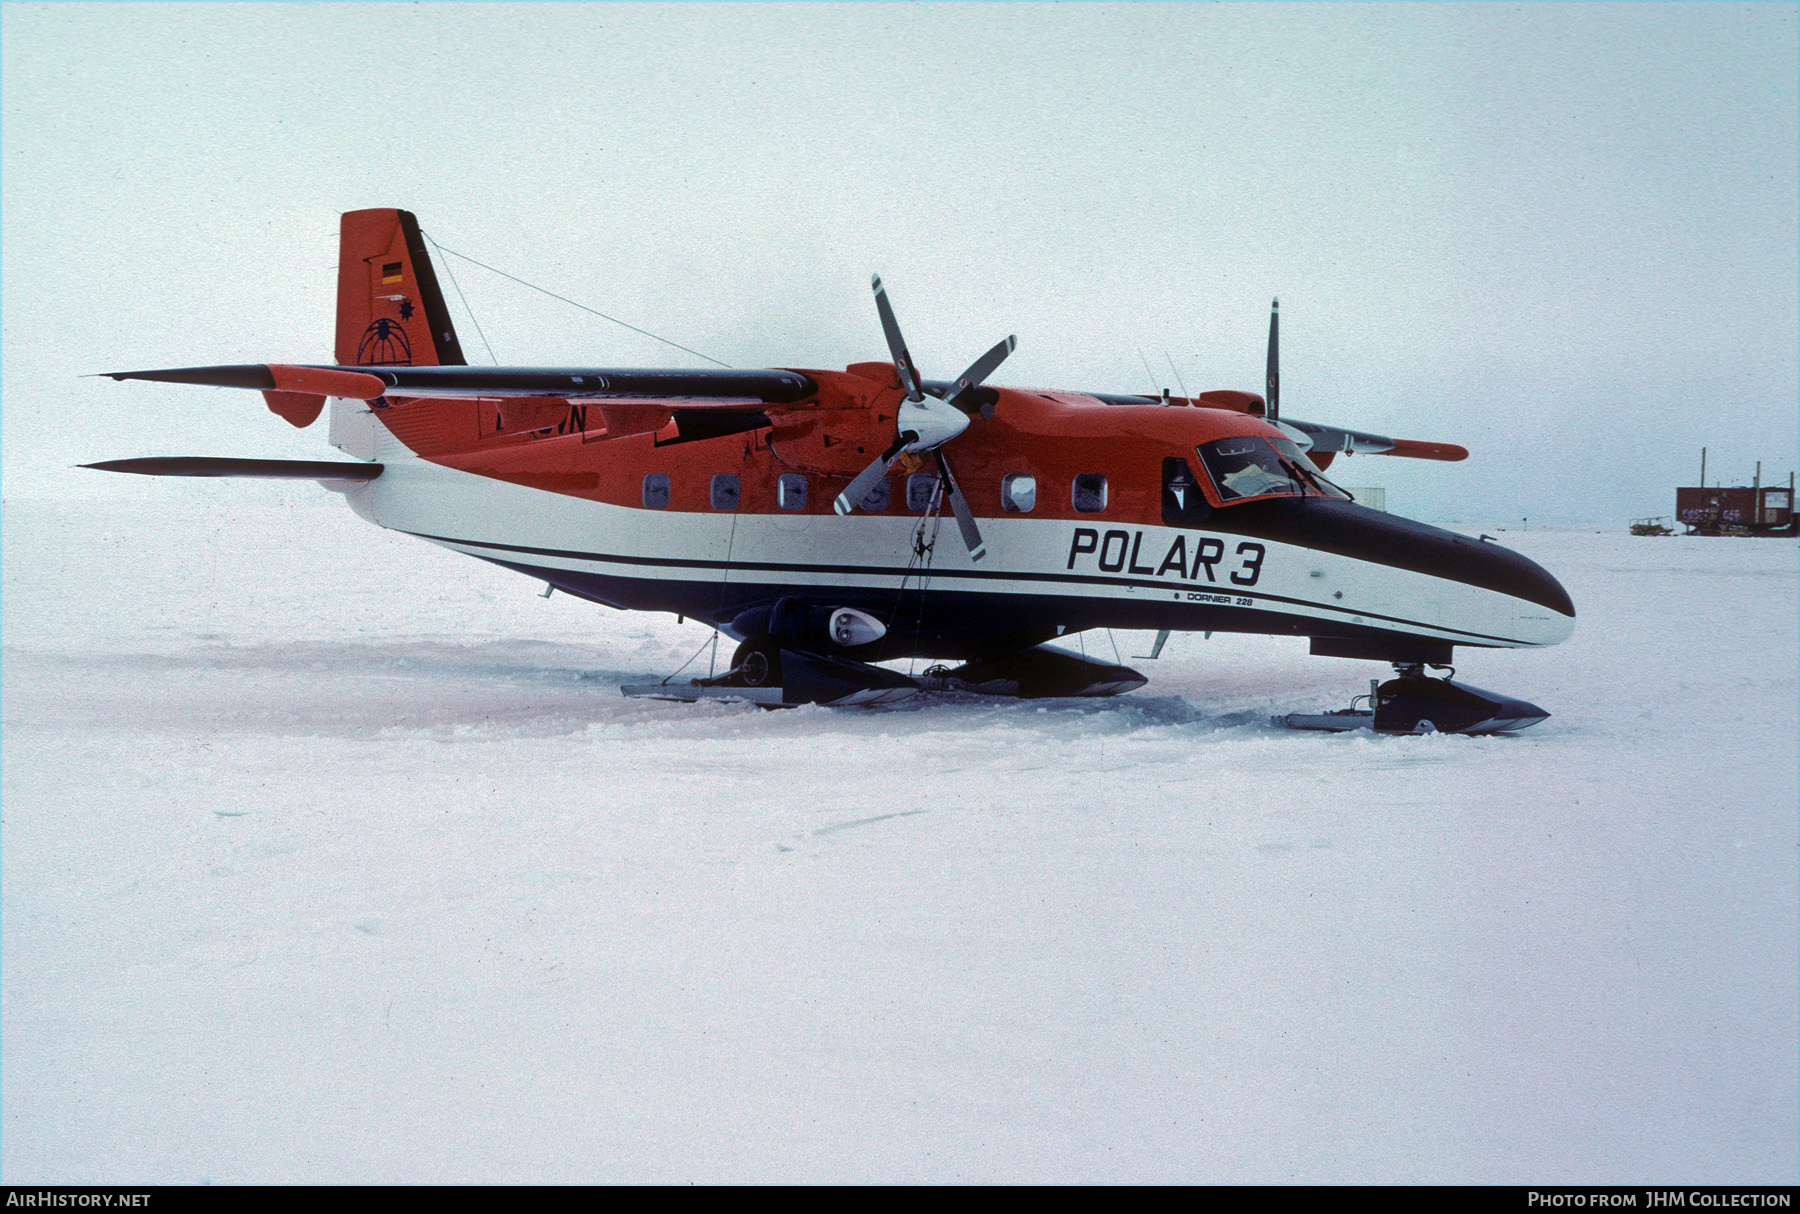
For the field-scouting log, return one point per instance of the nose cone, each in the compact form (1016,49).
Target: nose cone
(1541,612)
(1519,576)
(1544,614)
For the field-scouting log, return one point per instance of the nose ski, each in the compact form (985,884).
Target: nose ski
(1413,702)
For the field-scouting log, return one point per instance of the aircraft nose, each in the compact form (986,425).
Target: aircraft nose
(1545,614)
(1523,578)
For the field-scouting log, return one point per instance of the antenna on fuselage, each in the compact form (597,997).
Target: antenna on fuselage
(1147,370)
(1272,407)
(1178,379)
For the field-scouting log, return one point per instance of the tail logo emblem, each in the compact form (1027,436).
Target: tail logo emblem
(384,343)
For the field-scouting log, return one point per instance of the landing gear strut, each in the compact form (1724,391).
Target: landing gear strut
(757,663)
(1414,702)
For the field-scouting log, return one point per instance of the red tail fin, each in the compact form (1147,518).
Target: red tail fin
(390,310)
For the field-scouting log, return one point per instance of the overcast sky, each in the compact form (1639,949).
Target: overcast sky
(1561,235)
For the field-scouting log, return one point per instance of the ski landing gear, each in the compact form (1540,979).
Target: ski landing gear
(763,671)
(1412,702)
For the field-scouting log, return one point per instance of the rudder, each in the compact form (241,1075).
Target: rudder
(390,309)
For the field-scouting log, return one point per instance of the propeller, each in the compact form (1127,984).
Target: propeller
(926,422)
(1328,441)
(1273,381)
(965,518)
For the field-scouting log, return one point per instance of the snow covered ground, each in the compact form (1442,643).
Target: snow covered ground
(331,856)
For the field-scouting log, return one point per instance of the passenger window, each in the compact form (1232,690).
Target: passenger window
(725,491)
(790,491)
(1018,492)
(656,491)
(1089,493)
(919,488)
(877,498)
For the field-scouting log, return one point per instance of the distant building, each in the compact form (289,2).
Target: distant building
(1375,499)
(1753,509)
(1745,510)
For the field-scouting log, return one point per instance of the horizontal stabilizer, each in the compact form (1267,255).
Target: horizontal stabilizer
(261,469)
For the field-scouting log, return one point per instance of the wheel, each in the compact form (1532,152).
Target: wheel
(758,662)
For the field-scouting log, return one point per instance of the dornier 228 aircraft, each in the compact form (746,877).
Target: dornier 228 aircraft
(801,511)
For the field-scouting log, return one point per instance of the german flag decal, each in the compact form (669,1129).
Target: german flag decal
(390,272)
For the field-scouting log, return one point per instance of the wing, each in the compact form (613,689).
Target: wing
(1329,440)
(367,383)
(648,396)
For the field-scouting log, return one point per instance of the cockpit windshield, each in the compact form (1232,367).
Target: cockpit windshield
(1258,467)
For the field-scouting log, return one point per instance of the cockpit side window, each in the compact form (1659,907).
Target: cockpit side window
(1249,467)
(1252,467)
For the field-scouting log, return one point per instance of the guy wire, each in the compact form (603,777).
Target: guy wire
(603,316)
(465,299)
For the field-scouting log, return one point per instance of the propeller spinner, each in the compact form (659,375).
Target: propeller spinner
(926,422)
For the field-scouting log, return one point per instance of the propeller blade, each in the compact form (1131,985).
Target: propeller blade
(903,363)
(859,488)
(1273,398)
(982,367)
(965,518)
(865,480)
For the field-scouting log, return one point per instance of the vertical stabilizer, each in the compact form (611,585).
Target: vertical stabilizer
(390,310)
